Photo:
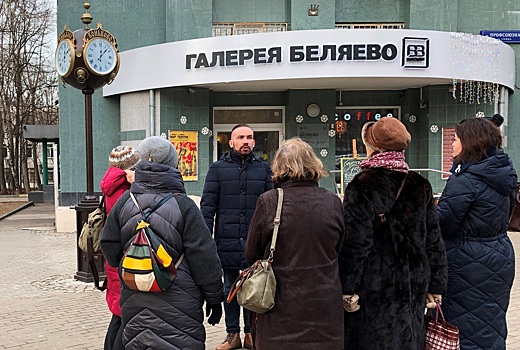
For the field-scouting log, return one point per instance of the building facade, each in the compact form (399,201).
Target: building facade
(191,69)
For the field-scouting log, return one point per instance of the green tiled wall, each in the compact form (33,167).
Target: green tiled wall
(176,102)
(250,11)
(188,19)
(445,111)
(300,20)
(372,11)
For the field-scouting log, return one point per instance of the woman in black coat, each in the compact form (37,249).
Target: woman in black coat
(474,212)
(393,258)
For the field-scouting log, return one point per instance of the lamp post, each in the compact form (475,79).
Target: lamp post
(87,59)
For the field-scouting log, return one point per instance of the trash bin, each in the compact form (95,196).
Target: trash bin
(84,273)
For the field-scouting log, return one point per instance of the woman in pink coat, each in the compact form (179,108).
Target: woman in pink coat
(115,182)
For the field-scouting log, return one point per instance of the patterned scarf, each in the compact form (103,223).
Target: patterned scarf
(390,160)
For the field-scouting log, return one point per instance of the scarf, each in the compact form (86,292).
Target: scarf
(390,160)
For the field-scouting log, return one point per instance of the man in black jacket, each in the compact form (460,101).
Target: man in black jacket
(233,185)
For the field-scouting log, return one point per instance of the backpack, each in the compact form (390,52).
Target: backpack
(92,228)
(146,265)
(89,240)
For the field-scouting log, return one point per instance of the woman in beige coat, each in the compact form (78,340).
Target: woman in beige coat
(308,312)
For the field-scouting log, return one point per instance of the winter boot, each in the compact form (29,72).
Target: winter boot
(232,341)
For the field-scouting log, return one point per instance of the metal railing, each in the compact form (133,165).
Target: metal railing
(240,28)
(369,25)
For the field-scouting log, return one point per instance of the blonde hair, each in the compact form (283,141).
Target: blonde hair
(296,160)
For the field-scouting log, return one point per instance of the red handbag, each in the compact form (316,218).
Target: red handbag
(441,335)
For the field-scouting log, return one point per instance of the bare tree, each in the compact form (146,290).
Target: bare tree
(27,83)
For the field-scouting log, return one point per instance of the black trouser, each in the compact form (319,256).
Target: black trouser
(114,337)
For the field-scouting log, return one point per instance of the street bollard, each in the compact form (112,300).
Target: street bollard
(84,273)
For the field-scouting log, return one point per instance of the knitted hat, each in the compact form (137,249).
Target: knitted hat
(159,150)
(123,157)
(387,134)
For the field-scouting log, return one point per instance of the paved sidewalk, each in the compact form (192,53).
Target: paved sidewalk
(42,307)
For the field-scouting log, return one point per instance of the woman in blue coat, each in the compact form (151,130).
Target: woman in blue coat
(474,212)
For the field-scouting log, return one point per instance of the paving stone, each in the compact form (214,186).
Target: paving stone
(42,306)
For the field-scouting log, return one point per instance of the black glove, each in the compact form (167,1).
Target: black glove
(215,310)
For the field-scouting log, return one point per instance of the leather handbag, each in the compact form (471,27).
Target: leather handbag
(514,223)
(255,287)
(441,335)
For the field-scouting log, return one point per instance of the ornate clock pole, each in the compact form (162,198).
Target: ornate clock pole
(87,59)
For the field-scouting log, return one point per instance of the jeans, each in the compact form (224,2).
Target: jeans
(232,309)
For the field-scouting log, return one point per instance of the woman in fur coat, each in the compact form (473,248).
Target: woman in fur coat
(393,259)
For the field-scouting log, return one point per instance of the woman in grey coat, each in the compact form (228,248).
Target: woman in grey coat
(171,319)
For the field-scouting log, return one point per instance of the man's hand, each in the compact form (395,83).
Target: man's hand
(214,312)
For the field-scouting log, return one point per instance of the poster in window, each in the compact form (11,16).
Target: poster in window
(186,144)
(448,136)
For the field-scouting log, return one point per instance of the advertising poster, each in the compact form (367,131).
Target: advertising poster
(185,143)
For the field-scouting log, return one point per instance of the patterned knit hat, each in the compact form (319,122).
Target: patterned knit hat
(387,134)
(123,157)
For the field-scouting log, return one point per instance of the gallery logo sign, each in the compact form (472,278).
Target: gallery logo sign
(416,52)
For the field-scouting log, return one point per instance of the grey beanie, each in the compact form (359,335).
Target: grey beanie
(159,150)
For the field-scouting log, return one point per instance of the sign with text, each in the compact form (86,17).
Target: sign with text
(185,143)
(506,36)
(349,169)
(316,135)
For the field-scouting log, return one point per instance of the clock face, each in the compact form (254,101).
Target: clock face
(100,56)
(64,58)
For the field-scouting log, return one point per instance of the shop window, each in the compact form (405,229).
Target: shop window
(448,136)
(348,122)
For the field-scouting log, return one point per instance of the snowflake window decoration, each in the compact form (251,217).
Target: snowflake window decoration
(299,118)
(184,119)
(332,133)
(163,135)
(324,118)
(210,133)
(413,118)
(323,152)
(205,130)
(434,128)
(480,114)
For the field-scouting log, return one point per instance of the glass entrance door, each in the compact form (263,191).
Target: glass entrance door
(266,122)
(266,143)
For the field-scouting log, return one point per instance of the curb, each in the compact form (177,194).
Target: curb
(28,204)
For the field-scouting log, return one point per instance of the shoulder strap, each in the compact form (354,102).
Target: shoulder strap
(276,223)
(382,216)
(91,257)
(157,206)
